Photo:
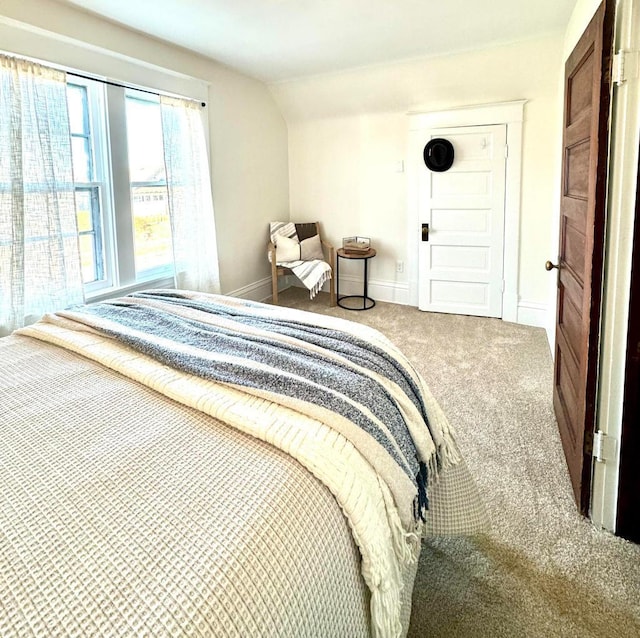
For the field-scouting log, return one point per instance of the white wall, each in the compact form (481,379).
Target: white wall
(348,131)
(248,136)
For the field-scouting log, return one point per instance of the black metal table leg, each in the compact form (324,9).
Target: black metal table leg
(367,302)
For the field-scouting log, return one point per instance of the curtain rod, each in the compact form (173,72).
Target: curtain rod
(124,86)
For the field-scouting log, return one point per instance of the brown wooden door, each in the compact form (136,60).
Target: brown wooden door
(580,259)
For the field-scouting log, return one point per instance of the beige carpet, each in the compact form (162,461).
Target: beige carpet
(543,570)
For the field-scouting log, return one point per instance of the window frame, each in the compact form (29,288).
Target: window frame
(99,157)
(108,147)
(168,269)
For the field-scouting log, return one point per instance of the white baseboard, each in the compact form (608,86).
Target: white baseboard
(378,289)
(532,313)
(256,291)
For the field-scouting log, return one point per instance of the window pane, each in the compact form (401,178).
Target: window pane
(87,118)
(87,257)
(152,230)
(88,216)
(81,159)
(77,103)
(83,211)
(144,135)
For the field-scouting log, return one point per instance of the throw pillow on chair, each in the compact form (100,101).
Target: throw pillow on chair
(311,248)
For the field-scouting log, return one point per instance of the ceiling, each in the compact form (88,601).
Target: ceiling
(275,40)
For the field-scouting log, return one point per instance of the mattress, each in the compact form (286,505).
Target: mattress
(126,512)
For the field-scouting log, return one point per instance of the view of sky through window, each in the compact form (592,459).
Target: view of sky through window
(152,228)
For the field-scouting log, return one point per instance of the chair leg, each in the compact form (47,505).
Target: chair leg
(332,281)
(271,250)
(332,292)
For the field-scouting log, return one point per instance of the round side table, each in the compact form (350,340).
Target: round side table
(367,302)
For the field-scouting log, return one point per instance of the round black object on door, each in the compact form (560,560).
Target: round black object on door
(438,155)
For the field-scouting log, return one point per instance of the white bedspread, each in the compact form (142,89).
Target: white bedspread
(125,514)
(387,546)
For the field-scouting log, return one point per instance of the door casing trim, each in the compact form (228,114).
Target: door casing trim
(512,115)
(624,160)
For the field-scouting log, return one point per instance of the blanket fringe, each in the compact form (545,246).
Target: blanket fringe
(447,453)
(406,544)
(316,289)
(384,616)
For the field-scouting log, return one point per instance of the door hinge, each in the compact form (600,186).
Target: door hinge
(503,285)
(506,151)
(625,66)
(617,68)
(604,447)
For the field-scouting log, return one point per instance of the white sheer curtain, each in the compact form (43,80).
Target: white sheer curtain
(190,201)
(39,255)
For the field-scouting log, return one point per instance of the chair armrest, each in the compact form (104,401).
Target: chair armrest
(332,253)
(326,244)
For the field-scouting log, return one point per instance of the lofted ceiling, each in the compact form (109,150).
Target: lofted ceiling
(275,40)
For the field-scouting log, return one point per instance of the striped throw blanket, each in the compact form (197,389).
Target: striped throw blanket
(267,365)
(312,273)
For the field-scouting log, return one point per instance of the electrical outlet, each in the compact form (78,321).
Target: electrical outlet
(399,266)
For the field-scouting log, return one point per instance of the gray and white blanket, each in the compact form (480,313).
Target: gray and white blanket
(335,395)
(353,385)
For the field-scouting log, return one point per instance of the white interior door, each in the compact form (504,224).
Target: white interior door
(461,257)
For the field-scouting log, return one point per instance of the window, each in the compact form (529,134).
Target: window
(149,205)
(120,184)
(88,188)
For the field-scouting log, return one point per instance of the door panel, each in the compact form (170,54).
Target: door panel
(458,294)
(461,264)
(476,221)
(571,319)
(580,84)
(574,244)
(464,258)
(580,259)
(471,183)
(568,394)
(577,162)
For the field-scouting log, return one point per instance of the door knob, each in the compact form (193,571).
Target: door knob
(549,266)
(425,232)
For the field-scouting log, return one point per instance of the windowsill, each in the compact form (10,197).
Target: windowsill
(110,293)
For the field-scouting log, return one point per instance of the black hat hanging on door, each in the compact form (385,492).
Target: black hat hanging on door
(438,155)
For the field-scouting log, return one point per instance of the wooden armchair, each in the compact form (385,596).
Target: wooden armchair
(304,231)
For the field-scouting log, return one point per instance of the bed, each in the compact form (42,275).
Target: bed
(181,464)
